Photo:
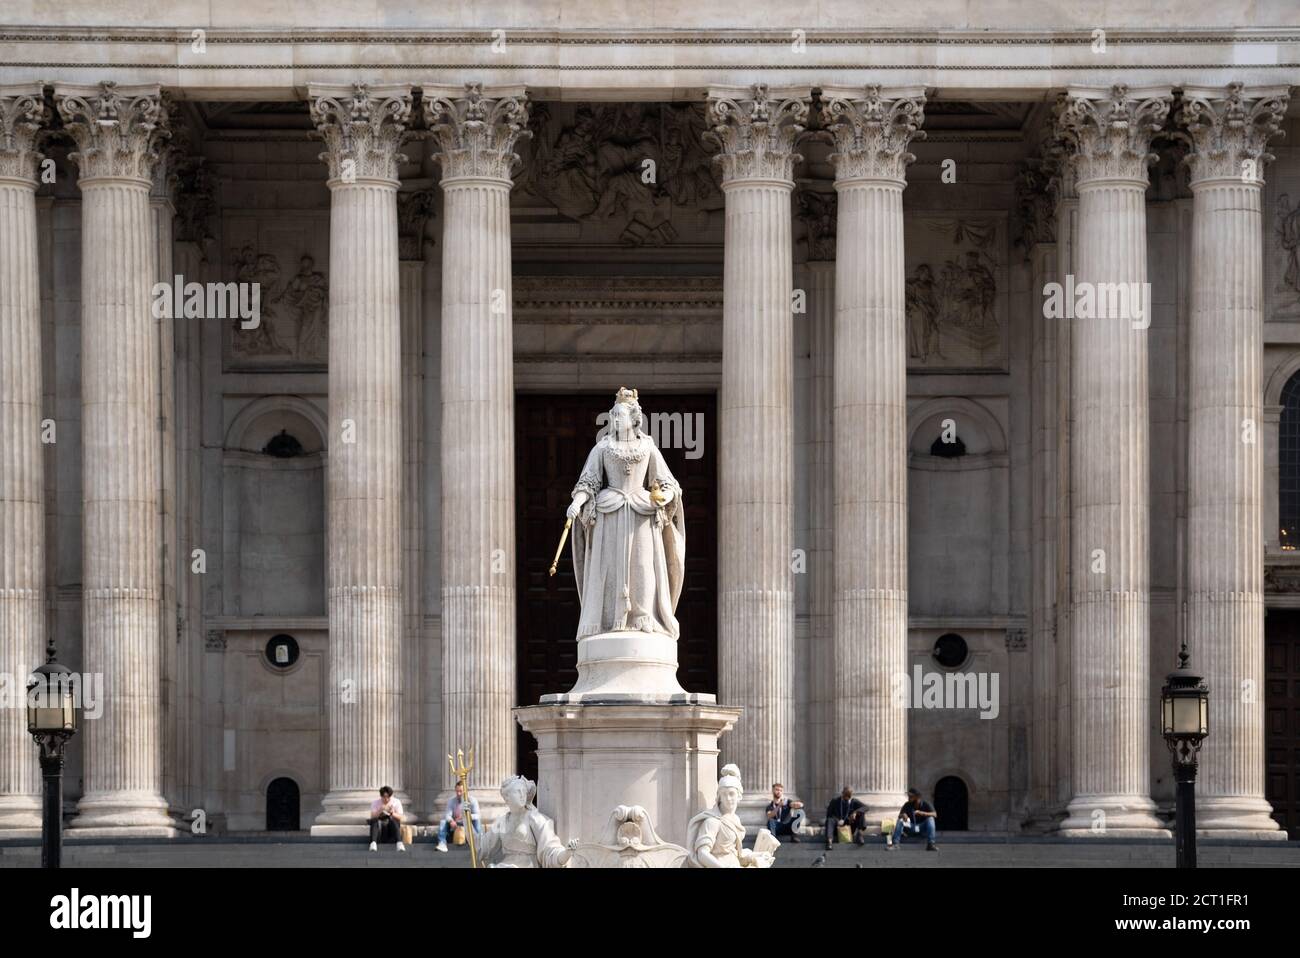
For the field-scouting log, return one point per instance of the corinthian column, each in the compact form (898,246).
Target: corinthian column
(22,484)
(1112,719)
(1229,130)
(119,131)
(476,130)
(363,128)
(756,130)
(872,131)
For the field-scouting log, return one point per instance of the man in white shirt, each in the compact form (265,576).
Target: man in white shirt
(386,820)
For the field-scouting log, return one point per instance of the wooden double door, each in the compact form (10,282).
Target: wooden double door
(553,434)
(1282,717)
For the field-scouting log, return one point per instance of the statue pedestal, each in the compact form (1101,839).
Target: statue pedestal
(593,756)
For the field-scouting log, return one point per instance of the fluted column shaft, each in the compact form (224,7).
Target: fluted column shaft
(872,131)
(1109,552)
(22,483)
(756,591)
(365,468)
(117,132)
(1225,548)
(412,281)
(821,525)
(477,130)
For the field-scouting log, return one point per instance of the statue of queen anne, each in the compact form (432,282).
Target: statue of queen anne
(629,541)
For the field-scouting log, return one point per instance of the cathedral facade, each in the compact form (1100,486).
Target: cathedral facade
(975,350)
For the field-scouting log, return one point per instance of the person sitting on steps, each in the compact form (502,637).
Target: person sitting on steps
(846,810)
(386,820)
(914,818)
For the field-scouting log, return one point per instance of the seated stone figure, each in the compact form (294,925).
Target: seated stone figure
(715,838)
(523,837)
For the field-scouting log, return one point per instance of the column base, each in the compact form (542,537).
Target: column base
(591,758)
(1237,817)
(20,813)
(123,815)
(1112,816)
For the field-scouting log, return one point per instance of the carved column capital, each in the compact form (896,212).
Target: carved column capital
(170,154)
(119,130)
(22,114)
(1034,219)
(363,128)
(414,207)
(1057,163)
(1110,131)
(477,129)
(817,210)
(755,129)
(872,130)
(1229,129)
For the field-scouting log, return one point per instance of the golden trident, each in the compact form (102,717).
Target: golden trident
(461,771)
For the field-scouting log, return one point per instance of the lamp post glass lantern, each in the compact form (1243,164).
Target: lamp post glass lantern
(52,720)
(1185,723)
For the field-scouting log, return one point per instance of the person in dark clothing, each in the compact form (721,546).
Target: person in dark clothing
(784,816)
(915,818)
(846,810)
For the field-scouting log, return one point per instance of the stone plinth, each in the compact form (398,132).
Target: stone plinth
(628,668)
(594,757)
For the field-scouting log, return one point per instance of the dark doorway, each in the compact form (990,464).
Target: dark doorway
(553,434)
(951,804)
(282,801)
(1282,717)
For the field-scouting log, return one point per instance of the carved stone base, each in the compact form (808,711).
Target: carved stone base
(628,667)
(594,757)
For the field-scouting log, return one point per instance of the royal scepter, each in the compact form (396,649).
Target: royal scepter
(564,536)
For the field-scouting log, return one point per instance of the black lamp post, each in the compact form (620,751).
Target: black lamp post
(52,720)
(1185,721)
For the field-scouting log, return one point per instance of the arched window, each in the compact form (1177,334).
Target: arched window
(282,801)
(1288,464)
(951,804)
(948,450)
(283,446)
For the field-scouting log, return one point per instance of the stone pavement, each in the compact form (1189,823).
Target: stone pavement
(959,852)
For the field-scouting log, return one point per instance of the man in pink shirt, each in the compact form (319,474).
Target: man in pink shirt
(386,820)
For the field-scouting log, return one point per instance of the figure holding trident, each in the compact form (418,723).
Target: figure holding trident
(461,771)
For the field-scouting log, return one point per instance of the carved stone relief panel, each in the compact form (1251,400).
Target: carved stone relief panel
(1282,236)
(637,174)
(287,255)
(956,290)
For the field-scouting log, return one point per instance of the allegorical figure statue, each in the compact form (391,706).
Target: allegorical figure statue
(629,540)
(523,837)
(715,838)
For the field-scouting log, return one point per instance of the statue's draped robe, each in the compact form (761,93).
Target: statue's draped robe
(525,840)
(722,836)
(629,555)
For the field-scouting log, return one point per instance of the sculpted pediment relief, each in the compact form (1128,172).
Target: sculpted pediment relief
(626,171)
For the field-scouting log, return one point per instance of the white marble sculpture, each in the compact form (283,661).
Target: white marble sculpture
(523,837)
(715,838)
(629,537)
(629,841)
